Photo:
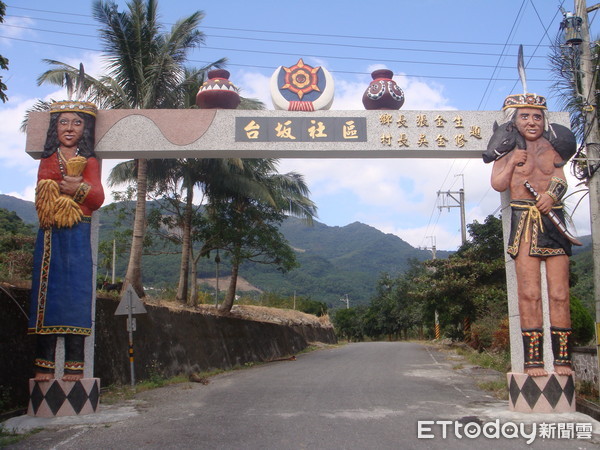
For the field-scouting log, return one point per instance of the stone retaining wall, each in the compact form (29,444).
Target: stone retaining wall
(166,343)
(585,363)
(170,342)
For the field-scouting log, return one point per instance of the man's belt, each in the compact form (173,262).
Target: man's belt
(555,219)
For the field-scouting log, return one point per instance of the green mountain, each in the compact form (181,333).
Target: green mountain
(24,209)
(334,261)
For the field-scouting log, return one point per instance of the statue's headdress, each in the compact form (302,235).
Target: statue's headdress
(74,106)
(77,105)
(524,100)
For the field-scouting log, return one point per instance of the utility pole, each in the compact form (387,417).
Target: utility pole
(217,261)
(588,73)
(436,317)
(346,300)
(432,248)
(460,200)
(114,259)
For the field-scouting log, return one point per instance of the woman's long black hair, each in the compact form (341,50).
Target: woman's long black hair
(85,145)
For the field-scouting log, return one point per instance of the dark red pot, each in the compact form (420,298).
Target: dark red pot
(218,92)
(383,92)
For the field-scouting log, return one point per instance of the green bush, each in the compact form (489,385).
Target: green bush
(582,322)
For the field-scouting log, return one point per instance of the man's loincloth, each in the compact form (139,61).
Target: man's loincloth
(529,225)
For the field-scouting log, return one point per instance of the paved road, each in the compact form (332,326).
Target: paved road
(358,396)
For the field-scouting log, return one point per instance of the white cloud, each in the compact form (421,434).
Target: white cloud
(15,163)
(15,27)
(255,85)
(422,96)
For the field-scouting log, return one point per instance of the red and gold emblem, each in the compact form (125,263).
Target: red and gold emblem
(302,88)
(301,78)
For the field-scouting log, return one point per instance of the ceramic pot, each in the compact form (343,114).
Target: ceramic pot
(218,91)
(383,92)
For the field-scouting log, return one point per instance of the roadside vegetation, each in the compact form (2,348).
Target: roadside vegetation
(467,294)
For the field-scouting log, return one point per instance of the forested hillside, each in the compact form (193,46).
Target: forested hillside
(333,261)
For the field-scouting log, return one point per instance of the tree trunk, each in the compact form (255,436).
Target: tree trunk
(193,301)
(230,296)
(184,267)
(134,268)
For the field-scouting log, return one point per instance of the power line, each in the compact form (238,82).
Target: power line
(330,44)
(47,11)
(491,78)
(446,77)
(284,32)
(321,35)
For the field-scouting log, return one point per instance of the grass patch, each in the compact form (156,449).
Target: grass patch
(587,391)
(498,388)
(9,438)
(499,361)
(118,393)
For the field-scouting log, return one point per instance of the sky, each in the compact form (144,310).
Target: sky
(445,55)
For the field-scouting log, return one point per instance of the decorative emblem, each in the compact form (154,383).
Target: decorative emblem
(301,78)
(301,88)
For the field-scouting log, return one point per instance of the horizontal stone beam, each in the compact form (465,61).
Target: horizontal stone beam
(195,133)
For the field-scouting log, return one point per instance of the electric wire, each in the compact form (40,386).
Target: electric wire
(445,64)
(279,41)
(445,77)
(491,78)
(285,32)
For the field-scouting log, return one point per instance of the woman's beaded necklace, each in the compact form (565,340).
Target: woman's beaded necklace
(62,161)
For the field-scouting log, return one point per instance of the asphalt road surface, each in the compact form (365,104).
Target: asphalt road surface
(357,396)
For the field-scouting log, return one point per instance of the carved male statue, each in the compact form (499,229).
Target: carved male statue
(537,168)
(68,190)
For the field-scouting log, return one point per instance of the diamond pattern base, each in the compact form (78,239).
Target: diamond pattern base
(550,394)
(56,398)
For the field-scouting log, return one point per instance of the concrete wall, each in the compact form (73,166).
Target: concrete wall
(165,343)
(16,348)
(173,342)
(585,363)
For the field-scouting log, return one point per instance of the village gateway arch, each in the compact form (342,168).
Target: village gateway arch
(376,133)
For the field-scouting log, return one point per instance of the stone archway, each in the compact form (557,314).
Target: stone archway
(196,133)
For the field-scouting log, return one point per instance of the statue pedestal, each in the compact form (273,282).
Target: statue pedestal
(550,394)
(57,398)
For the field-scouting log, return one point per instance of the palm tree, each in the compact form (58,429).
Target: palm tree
(245,223)
(565,65)
(146,70)
(192,173)
(185,175)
